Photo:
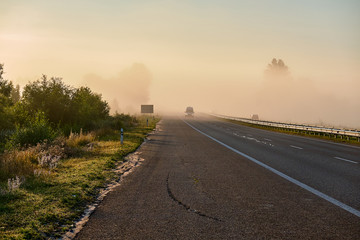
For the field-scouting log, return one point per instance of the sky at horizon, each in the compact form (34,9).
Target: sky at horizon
(207,54)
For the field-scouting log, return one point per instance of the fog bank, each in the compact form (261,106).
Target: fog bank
(126,91)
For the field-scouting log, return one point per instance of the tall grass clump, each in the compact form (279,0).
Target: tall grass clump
(29,161)
(76,140)
(17,163)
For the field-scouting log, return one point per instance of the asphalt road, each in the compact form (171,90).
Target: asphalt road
(332,168)
(192,187)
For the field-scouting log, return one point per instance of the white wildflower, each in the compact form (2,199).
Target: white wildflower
(39,172)
(48,160)
(14,183)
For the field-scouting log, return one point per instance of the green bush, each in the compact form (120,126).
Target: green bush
(6,118)
(119,121)
(88,108)
(4,137)
(51,96)
(38,130)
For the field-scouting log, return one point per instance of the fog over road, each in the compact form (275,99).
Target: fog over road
(192,187)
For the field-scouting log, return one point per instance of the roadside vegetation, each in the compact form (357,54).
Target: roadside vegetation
(324,136)
(58,148)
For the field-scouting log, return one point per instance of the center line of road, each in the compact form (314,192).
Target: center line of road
(343,159)
(296,147)
(290,179)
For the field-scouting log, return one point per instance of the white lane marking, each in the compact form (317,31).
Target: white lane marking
(347,160)
(266,139)
(251,138)
(295,147)
(254,139)
(290,179)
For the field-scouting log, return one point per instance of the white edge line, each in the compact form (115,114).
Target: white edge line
(290,179)
(343,159)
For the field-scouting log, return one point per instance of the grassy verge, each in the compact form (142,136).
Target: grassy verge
(329,137)
(46,206)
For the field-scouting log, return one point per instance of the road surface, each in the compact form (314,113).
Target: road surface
(192,187)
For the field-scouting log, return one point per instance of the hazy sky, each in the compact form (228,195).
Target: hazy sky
(207,54)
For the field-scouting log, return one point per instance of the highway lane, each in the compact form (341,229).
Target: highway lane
(331,168)
(191,187)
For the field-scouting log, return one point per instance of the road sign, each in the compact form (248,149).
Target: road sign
(147,108)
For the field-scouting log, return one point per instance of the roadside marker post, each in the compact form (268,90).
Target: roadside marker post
(122,136)
(147,122)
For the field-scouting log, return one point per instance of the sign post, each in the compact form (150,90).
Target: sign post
(147,109)
(122,136)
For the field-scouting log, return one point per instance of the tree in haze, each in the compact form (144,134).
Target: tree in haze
(130,88)
(51,96)
(277,68)
(5,85)
(15,94)
(61,105)
(64,105)
(5,113)
(48,107)
(7,88)
(276,93)
(88,108)
(5,101)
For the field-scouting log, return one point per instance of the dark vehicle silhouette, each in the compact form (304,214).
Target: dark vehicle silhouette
(189,112)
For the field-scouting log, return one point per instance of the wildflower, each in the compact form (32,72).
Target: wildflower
(14,183)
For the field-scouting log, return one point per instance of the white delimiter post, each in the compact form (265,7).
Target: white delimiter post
(122,136)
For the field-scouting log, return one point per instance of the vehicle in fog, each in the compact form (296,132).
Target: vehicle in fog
(255,117)
(189,112)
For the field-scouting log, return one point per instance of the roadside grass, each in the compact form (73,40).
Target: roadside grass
(46,206)
(329,137)
(80,139)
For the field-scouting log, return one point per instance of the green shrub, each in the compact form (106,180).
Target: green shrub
(37,131)
(88,108)
(51,96)
(119,121)
(4,137)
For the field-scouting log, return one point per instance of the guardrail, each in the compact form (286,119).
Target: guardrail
(342,133)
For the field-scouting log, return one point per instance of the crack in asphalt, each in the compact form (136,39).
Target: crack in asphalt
(188,208)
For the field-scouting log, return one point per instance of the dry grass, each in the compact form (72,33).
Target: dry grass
(17,163)
(26,162)
(79,140)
